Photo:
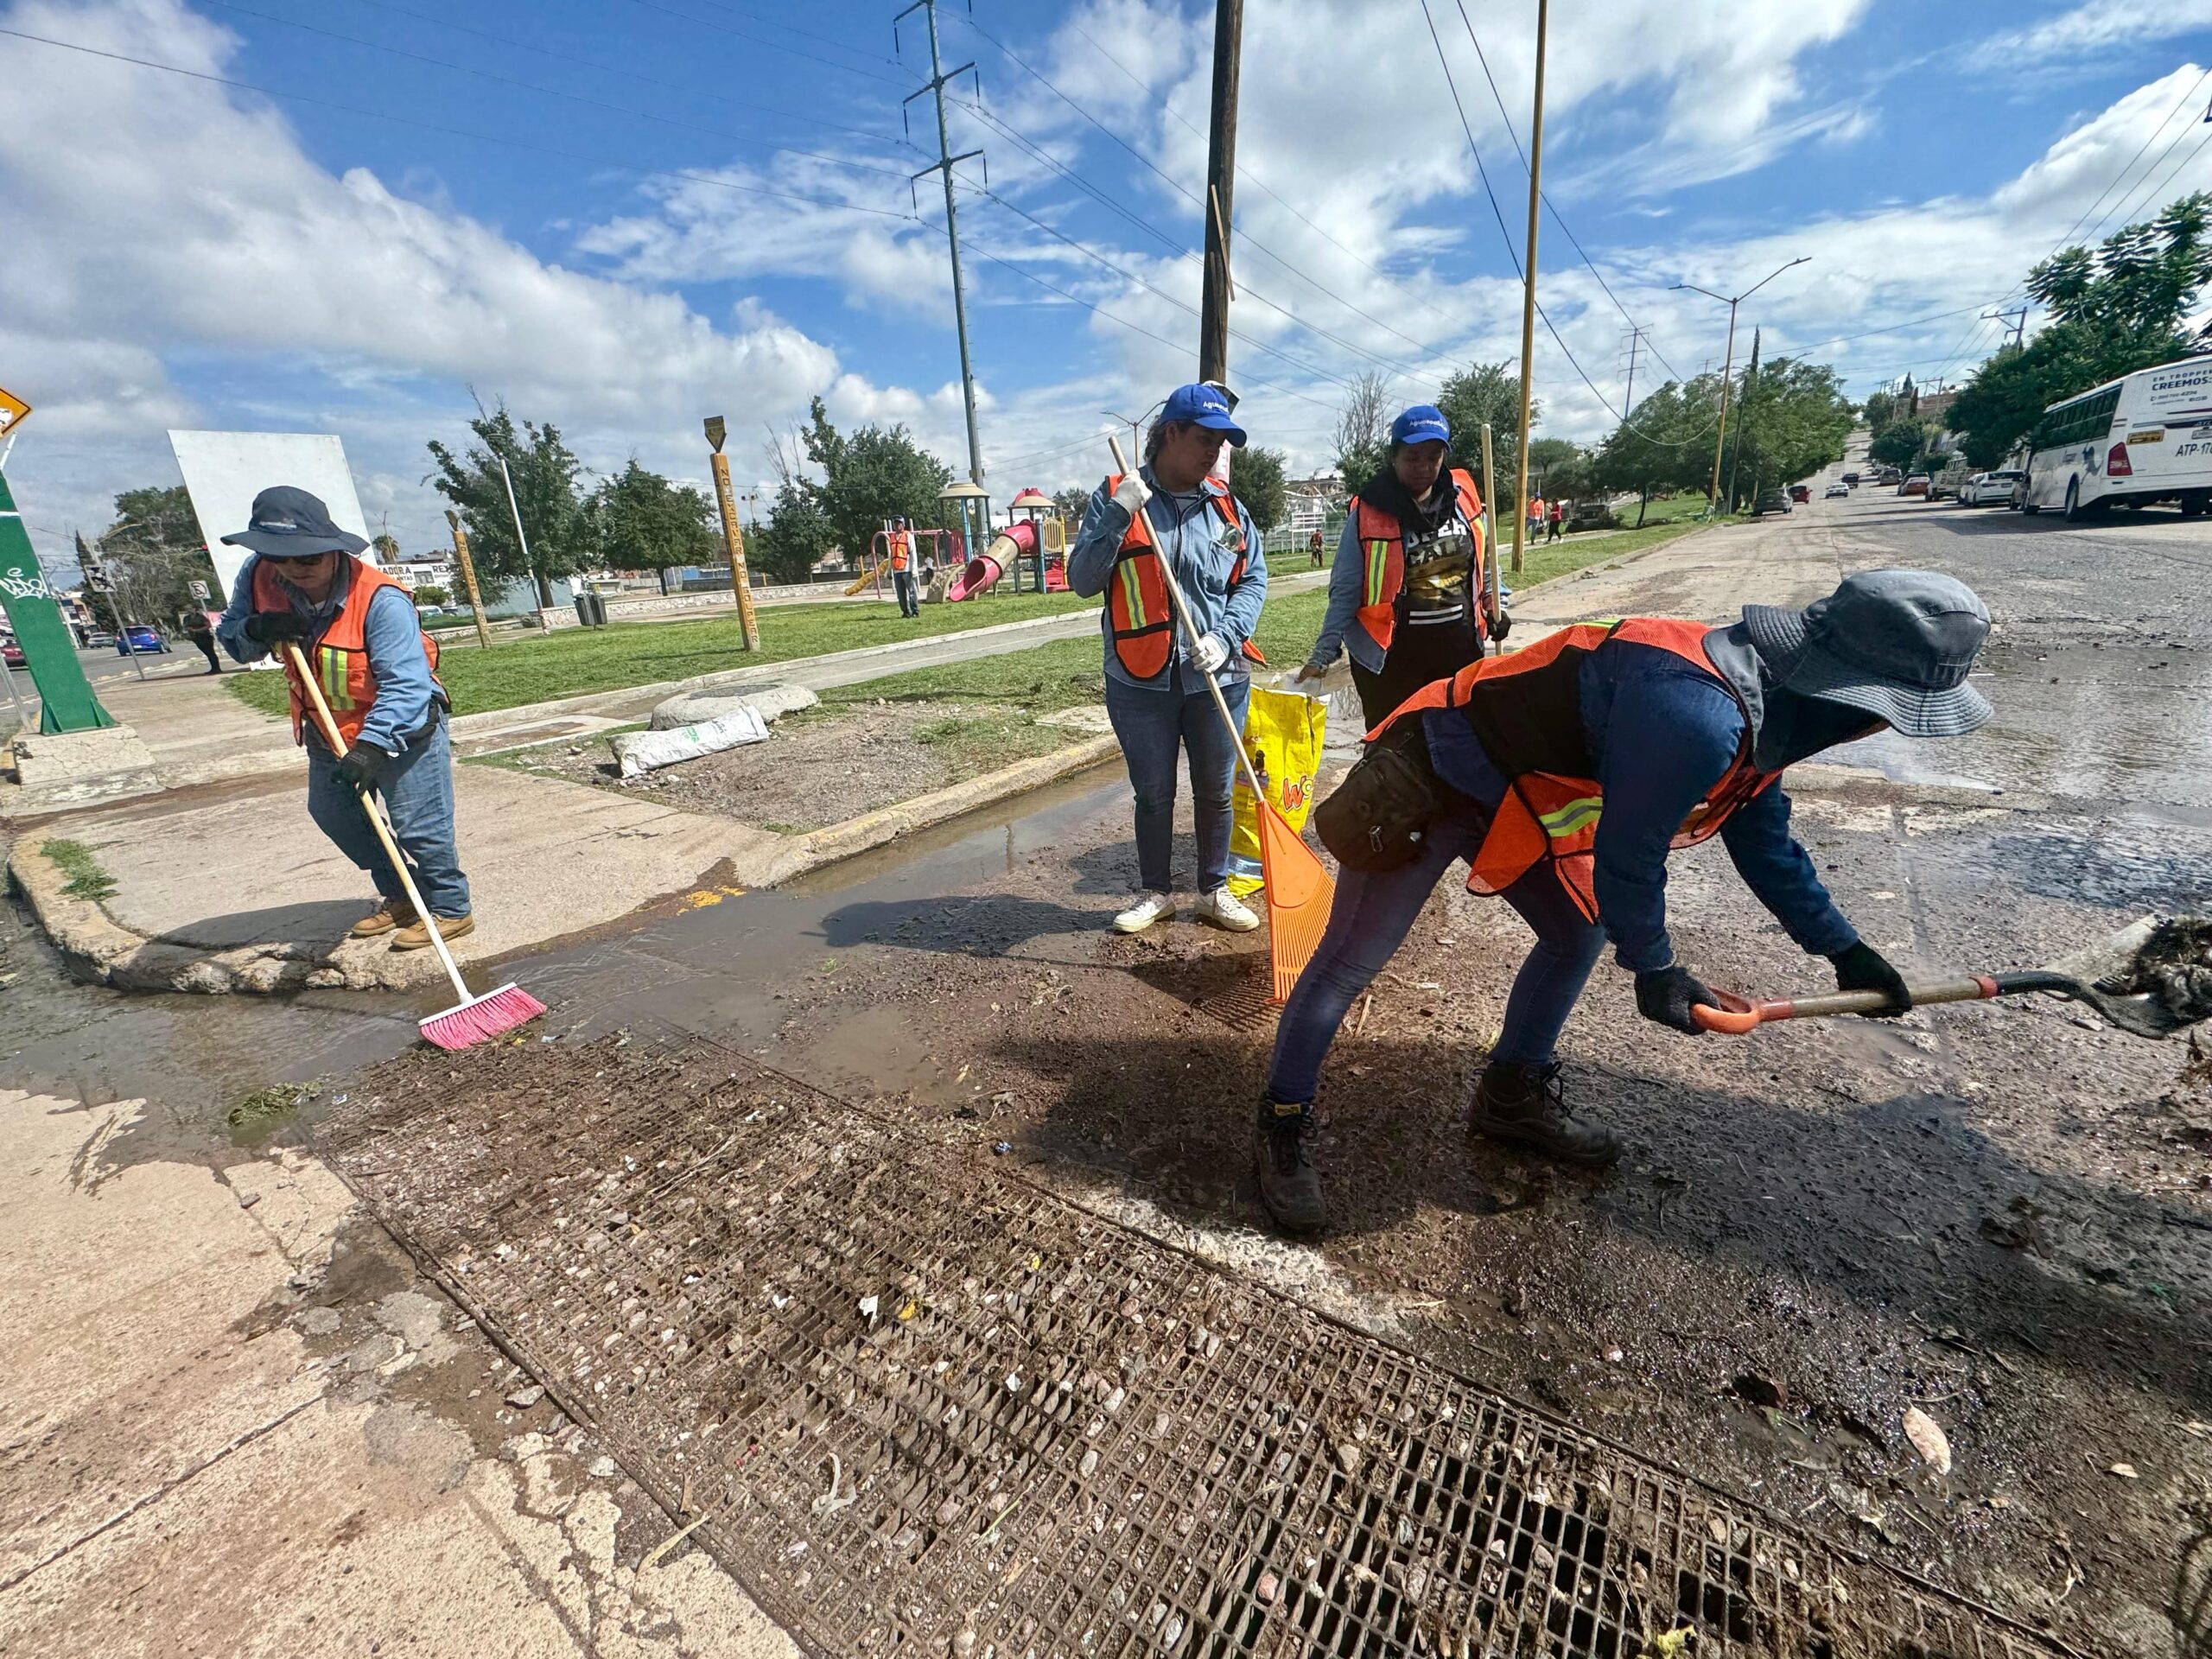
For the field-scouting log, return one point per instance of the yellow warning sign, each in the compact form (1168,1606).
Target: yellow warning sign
(12,411)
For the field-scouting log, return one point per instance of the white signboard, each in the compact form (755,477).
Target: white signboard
(223,471)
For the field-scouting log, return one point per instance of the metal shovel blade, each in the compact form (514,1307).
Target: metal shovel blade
(2138,978)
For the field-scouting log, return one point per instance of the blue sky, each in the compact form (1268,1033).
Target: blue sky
(696,207)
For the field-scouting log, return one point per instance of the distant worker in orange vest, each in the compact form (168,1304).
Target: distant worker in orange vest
(304,585)
(1172,509)
(1406,593)
(900,540)
(1565,775)
(1536,517)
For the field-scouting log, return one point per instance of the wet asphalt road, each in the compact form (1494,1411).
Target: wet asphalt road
(1815,1210)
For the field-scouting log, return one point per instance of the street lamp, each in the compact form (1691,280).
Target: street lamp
(1728,366)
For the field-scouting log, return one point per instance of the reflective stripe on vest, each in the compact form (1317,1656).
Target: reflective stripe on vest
(340,658)
(1138,609)
(1385,574)
(1527,711)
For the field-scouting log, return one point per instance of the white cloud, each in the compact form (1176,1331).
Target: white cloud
(2097,26)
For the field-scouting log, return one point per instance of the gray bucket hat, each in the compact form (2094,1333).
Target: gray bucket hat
(290,524)
(1896,643)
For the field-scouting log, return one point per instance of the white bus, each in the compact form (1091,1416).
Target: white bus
(2145,437)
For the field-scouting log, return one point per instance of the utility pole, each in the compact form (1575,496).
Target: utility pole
(1728,363)
(943,165)
(1744,417)
(2018,320)
(1221,177)
(468,575)
(1628,391)
(1529,283)
(740,581)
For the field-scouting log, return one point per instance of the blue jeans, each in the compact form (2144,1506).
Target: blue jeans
(417,791)
(1369,921)
(1152,722)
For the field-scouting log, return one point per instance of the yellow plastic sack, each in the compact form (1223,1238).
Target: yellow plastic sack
(1282,734)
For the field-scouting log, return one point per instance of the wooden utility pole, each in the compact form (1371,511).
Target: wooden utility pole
(1221,180)
(732,534)
(468,575)
(1529,281)
(1743,416)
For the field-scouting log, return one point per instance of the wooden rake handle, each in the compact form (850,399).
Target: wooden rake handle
(377,821)
(1741,1014)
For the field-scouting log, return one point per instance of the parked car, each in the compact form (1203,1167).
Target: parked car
(11,653)
(1801,492)
(1989,489)
(1916,484)
(100,639)
(143,640)
(1850,479)
(1835,490)
(1769,501)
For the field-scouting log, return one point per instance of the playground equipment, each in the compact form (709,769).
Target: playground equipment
(1049,551)
(929,545)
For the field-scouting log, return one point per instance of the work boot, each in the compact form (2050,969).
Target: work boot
(1282,1157)
(1525,1106)
(1149,907)
(416,936)
(1224,909)
(388,914)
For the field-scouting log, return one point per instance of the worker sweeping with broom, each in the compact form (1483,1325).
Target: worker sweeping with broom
(1564,775)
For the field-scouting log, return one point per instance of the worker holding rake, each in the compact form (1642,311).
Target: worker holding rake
(306,596)
(1564,775)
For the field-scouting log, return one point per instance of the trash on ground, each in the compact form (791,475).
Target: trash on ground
(642,752)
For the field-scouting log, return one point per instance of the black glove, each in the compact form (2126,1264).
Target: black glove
(361,765)
(1862,968)
(1667,995)
(268,627)
(1501,624)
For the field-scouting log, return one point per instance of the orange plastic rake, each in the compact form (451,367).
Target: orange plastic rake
(1298,888)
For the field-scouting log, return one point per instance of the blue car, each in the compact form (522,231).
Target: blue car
(138,640)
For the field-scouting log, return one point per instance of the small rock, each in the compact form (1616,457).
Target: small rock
(2124,1471)
(318,1321)
(604,1468)
(1761,1390)
(248,1199)
(523,1399)
(1267,1589)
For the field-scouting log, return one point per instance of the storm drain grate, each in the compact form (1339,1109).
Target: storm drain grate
(930,1409)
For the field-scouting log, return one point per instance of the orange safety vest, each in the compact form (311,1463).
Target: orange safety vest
(1138,610)
(901,545)
(340,657)
(1383,542)
(1526,709)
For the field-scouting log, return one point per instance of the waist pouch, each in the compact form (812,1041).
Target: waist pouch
(1380,817)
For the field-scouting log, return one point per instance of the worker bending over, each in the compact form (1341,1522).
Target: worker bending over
(1564,775)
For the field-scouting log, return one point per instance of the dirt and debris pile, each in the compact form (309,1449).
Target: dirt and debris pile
(2174,966)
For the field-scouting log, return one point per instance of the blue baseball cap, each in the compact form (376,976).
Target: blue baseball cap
(1423,423)
(1203,405)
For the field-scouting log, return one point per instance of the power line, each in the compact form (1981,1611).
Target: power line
(459,132)
(792,29)
(773,46)
(555,92)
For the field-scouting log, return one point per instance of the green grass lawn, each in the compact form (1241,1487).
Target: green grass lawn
(539,667)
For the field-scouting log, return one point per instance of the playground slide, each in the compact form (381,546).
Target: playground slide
(983,572)
(977,577)
(865,577)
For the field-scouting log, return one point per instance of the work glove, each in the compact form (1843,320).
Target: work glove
(1667,995)
(269,627)
(1310,671)
(1131,493)
(359,767)
(1499,622)
(1209,653)
(1862,968)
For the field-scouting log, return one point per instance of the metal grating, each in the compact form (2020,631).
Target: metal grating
(929,1408)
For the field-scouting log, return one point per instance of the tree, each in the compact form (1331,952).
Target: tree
(1793,421)
(1363,433)
(153,553)
(561,532)
(430,594)
(1487,392)
(2115,309)
(797,537)
(1071,503)
(1880,410)
(386,548)
(1666,445)
(1896,444)
(645,523)
(877,473)
(1256,475)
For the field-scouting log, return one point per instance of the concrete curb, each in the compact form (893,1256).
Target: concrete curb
(97,950)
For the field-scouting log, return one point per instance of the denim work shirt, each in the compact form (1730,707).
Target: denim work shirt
(1662,732)
(1192,540)
(393,635)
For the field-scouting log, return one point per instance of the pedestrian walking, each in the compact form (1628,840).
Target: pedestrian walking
(901,541)
(1673,731)
(1558,521)
(196,627)
(1406,592)
(1315,547)
(305,585)
(1171,509)
(1535,518)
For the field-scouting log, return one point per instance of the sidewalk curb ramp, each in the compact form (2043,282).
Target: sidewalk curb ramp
(97,950)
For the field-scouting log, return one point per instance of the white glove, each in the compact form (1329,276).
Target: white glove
(1131,493)
(1209,653)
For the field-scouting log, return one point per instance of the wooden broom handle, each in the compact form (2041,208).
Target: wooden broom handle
(374,807)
